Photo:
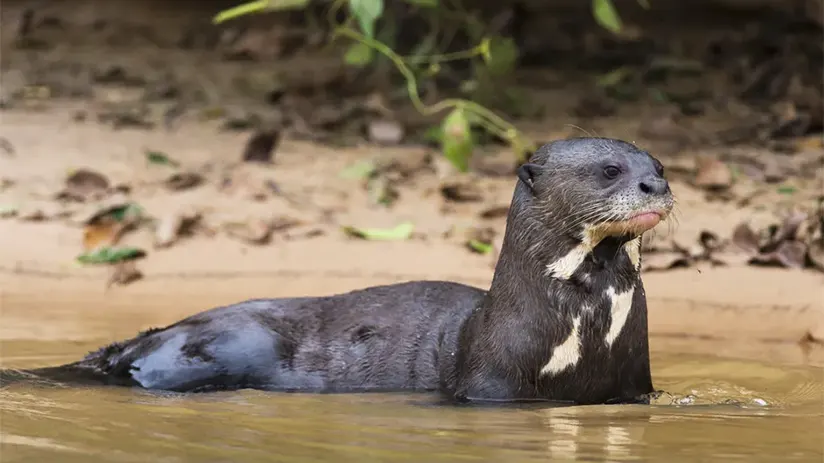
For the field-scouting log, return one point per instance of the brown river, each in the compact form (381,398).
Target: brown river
(716,409)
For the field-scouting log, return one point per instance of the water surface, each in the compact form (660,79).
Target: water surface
(716,410)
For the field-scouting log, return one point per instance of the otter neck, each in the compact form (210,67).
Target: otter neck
(536,263)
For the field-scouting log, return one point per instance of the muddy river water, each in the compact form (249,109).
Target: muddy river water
(716,409)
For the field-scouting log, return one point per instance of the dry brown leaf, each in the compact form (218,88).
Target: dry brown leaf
(746,239)
(261,146)
(694,251)
(84,185)
(461,191)
(103,228)
(174,225)
(482,234)
(123,273)
(730,258)
(495,212)
(658,261)
(789,227)
(183,181)
(256,232)
(789,254)
(41,211)
(712,174)
(709,241)
(101,235)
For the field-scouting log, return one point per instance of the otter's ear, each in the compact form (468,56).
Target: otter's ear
(527,174)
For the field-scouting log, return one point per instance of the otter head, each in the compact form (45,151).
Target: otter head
(589,189)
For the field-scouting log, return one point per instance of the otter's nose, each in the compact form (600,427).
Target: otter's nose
(654,186)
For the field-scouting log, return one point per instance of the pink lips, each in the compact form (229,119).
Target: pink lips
(645,220)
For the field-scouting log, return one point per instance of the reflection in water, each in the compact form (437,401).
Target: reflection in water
(611,440)
(564,432)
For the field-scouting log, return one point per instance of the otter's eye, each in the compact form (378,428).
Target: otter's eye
(611,172)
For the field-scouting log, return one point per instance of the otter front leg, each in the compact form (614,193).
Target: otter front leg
(631,355)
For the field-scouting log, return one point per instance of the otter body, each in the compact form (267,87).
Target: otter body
(565,318)
(381,338)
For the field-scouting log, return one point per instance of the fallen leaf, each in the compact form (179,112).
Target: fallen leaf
(381,191)
(160,158)
(256,232)
(110,255)
(461,191)
(789,254)
(658,261)
(789,227)
(480,239)
(105,227)
(183,181)
(495,212)
(359,170)
(172,226)
(712,174)
(709,240)
(479,246)
(787,190)
(409,163)
(123,273)
(400,232)
(730,258)
(746,239)
(385,132)
(40,211)
(84,185)
(695,251)
(7,210)
(261,146)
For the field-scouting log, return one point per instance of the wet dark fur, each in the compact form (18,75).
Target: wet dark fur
(428,335)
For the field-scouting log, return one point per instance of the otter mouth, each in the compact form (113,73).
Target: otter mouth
(644,221)
(636,224)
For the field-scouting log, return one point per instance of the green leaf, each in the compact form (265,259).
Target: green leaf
(456,140)
(129,210)
(606,15)
(359,170)
(613,77)
(433,134)
(424,3)
(258,6)
(110,255)
(401,232)
(479,246)
(160,158)
(366,12)
(8,210)
(787,189)
(500,55)
(358,55)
